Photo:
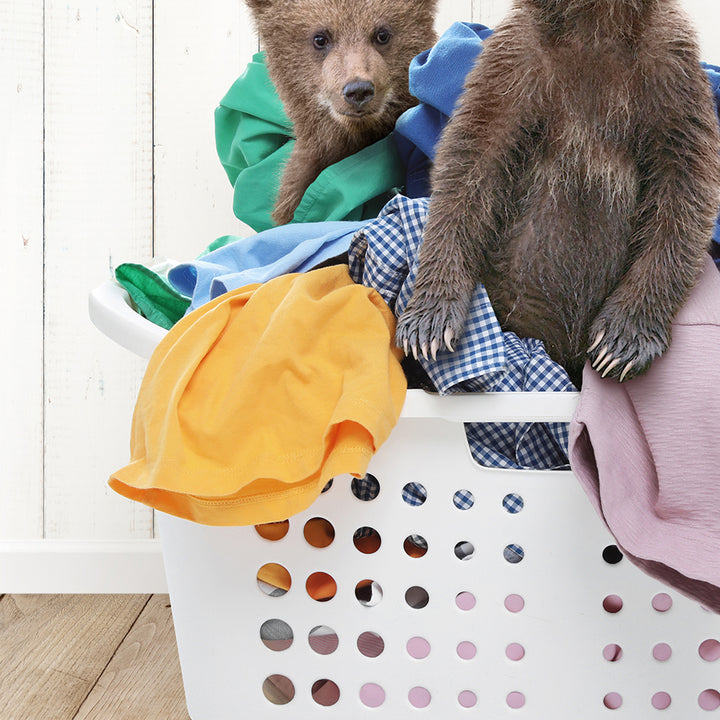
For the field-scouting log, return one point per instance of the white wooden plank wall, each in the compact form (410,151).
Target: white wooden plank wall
(107,155)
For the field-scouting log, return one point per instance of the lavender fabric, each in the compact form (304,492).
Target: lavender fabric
(645,451)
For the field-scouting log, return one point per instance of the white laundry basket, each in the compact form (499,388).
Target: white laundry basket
(536,617)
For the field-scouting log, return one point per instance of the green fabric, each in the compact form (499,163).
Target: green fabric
(154,298)
(217,244)
(253,136)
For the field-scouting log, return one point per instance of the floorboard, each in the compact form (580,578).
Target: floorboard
(143,678)
(89,657)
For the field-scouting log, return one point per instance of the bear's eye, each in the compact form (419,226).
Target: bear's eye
(383,36)
(321,40)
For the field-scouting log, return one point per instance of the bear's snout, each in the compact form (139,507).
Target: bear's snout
(358,93)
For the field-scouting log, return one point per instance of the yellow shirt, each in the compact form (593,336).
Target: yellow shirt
(252,402)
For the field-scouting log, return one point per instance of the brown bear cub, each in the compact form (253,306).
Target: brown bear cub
(578,179)
(341,70)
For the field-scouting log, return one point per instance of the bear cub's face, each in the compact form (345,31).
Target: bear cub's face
(355,78)
(343,60)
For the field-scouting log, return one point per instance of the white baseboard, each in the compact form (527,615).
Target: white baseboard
(81,566)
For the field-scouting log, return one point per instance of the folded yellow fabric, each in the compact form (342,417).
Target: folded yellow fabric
(252,402)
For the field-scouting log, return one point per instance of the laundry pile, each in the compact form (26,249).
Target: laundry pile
(279,369)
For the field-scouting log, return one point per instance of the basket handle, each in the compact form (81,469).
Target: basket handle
(492,406)
(111,312)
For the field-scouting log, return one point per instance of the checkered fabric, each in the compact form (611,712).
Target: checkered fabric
(463,499)
(513,554)
(414,494)
(513,503)
(384,255)
(365,488)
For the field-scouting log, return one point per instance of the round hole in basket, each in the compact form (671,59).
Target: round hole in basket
(513,503)
(612,604)
(612,652)
(328,485)
(612,555)
(319,532)
(467,698)
(325,692)
(278,689)
(372,695)
(418,648)
(613,701)
(465,600)
(463,499)
(514,554)
(273,531)
(370,644)
(515,652)
(662,602)
(466,650)
(662,652)
(368,592)
(414,494)
(515,700)
(321,587)
(276,635)
(416,546)
(365,488)
(323,640)
(709,699)
(661,701)
(367,540)
(274,579)
(417,597)
(464,550)
(419,697)
(514,603)
(709,650)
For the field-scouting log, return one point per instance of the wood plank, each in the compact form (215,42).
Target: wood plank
(98,123)
(490,12)
(706,16)
(143,679)
(197,57)
(53,648)
(21,230)
(450,11)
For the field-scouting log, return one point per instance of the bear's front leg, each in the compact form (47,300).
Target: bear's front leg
(479,159)
(301,169)
(677,207)
(435,315)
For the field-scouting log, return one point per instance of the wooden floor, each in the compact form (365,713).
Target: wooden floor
(89,657)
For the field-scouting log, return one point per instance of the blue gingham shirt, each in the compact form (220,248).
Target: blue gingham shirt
(384,255)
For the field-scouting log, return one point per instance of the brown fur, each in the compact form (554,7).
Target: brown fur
(366,41)
(579,180)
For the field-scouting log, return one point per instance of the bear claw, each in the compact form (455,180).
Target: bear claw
(597,341)
(429,325)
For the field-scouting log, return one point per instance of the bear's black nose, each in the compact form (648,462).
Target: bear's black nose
(358,92)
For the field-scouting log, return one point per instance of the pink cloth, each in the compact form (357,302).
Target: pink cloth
(646,452)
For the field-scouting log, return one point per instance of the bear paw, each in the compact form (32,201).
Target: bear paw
(430,323)
(623,349)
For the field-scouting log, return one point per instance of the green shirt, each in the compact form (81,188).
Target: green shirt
(254,138)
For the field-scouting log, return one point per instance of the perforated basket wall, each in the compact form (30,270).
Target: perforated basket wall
(520,606)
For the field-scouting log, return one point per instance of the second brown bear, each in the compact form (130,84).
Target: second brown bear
(579,180)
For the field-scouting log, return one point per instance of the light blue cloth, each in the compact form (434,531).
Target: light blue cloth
(286,249)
